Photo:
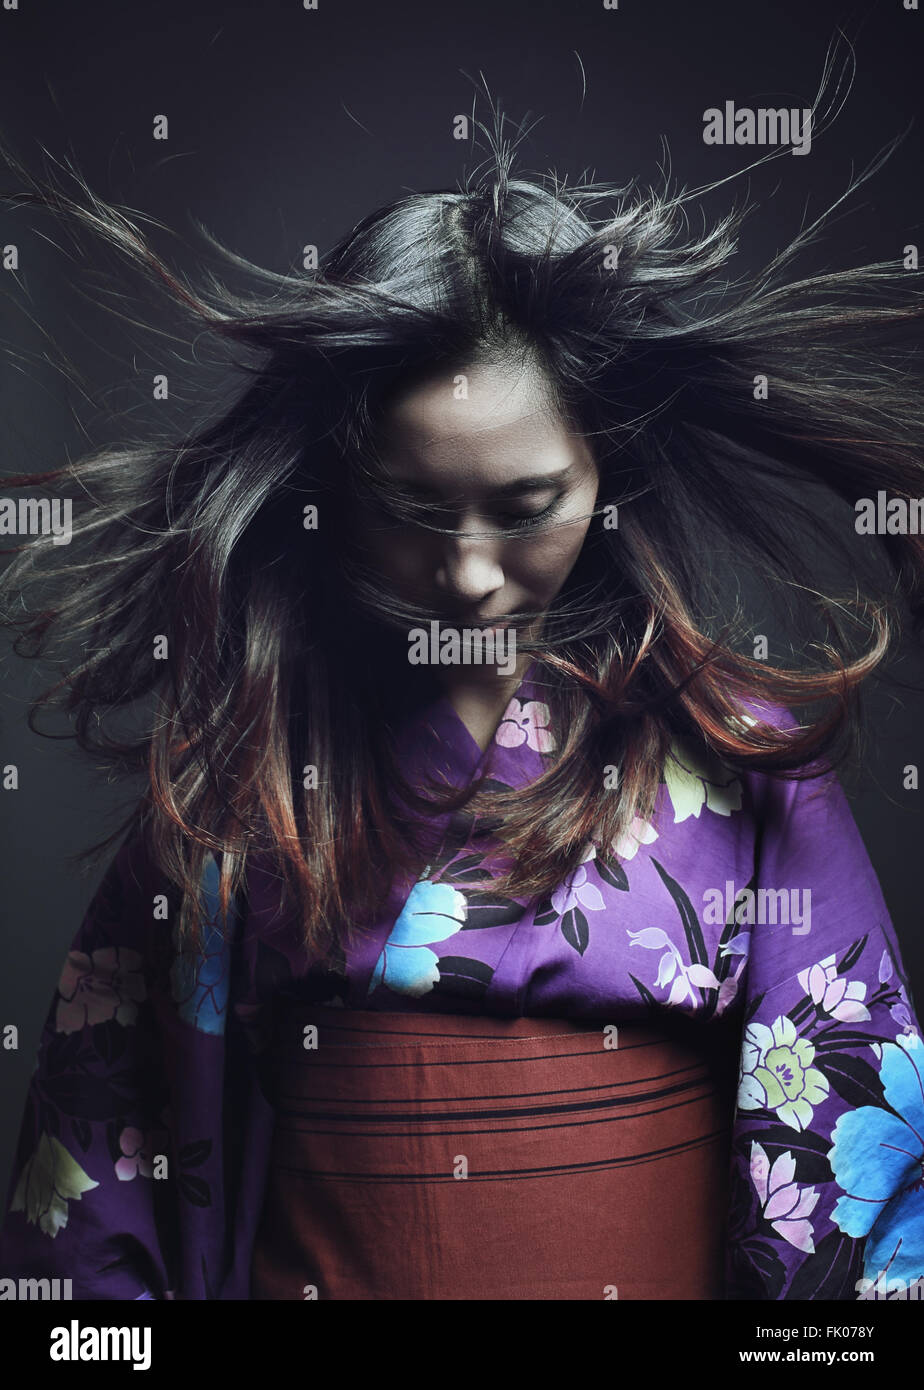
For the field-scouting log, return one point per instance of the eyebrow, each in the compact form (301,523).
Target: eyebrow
(531,483)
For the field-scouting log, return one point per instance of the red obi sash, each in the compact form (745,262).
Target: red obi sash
(448,1156)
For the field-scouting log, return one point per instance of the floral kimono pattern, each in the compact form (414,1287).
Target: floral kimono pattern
(142,1154)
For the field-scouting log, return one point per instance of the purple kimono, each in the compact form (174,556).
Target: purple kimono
(745,898)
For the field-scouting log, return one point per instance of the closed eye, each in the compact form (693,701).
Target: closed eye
(521,521)
(513,521)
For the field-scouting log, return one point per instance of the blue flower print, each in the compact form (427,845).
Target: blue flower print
(433,912)
(200,988)
(878,1160)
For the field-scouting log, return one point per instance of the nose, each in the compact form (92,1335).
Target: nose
(468,570)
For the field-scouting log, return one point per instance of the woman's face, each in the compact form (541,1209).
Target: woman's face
(492,462)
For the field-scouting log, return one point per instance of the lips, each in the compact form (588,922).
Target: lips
(456,619)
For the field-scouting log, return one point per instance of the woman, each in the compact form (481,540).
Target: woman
(574,948)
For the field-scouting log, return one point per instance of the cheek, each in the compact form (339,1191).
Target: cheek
(545,562)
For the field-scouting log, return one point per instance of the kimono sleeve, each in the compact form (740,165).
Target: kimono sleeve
(131,1178)
(828,1132)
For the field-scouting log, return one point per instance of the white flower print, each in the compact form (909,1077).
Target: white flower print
(697,778)
(777,1074)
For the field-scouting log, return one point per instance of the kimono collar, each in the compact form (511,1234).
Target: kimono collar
(437,741)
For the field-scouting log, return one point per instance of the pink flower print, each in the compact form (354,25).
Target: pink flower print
(527,723)
(577,892)
(901,1011)
(106,984)
(672,966)
(785,1205)
(640,832)
(136,1146)
(728,990)
(902,1015)
(834,995)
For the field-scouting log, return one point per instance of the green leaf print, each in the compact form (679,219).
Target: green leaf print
(50,1179)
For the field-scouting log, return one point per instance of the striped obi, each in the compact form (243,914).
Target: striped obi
(452,1156)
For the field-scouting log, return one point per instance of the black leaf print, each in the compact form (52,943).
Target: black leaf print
(195,1190)
(49,1119)
(855,1081)
(460,880)
(460,987)
(191,1155)
(739,1202)
(318,986)
(64,1051)
(469,866)
(490,910)
(462,977)
(691,927)
(644,991)
(129,1084)
(545,914)
(832,1272)
(612,872)
(801,1011)
(82,1133)
(723,963)
(575,930)
(752,1008)
(854,953)
(833,1038)
(463,965)
(463,826)
(809,1150)
(109,1040)
(761,1116)
(759,1271)
(457,833)
(87,1097)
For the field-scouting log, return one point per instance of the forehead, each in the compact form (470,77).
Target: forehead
(502,424)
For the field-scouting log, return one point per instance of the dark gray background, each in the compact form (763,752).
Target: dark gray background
(286,127)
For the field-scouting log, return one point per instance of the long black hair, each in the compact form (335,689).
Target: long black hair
(279,646)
